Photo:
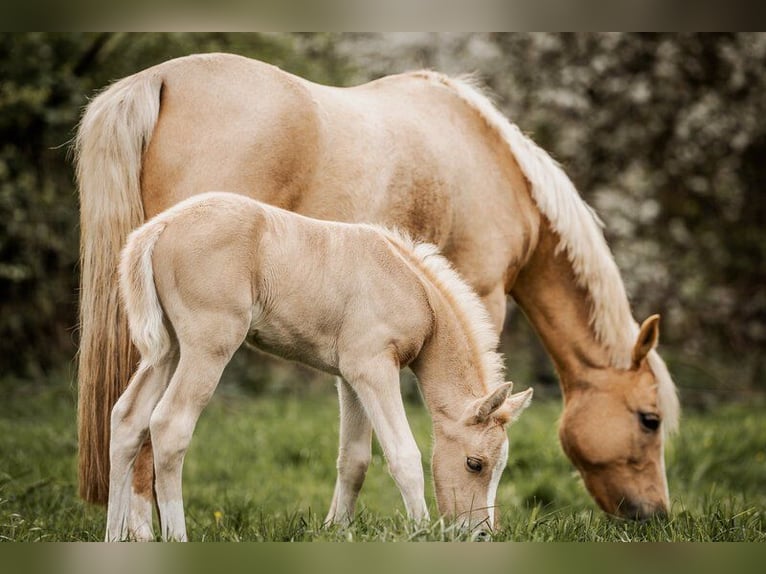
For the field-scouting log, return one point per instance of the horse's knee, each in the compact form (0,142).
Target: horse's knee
(121,412)
(126,434)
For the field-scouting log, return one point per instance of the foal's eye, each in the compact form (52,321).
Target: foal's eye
(649,421)
(473,464)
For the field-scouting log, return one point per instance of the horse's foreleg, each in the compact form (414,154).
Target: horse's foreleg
(376,383)
(130,423)
(354,455)
(496,302)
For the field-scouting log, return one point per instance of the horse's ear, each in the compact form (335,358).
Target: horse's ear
(647,340)
(486,406)
(514,405)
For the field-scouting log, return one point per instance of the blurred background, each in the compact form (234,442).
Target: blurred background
(663,134)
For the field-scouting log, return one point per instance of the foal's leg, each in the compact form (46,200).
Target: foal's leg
(130,424)
(142,490)
(172,424)
(376,383)
(203,358)
(142,495)
(353,455)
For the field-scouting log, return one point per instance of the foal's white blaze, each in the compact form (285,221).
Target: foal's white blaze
(497,472)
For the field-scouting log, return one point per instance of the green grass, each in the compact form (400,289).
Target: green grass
(263,468)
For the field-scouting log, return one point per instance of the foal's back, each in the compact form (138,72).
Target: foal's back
(308,290)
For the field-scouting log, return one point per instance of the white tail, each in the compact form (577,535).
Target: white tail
(139,294)
(111,138)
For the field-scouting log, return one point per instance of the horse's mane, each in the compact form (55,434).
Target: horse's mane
(468,307)
(581,238)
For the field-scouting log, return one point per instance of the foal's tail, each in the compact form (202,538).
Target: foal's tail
(113,133)
(139,294)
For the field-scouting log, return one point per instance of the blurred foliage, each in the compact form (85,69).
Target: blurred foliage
(662,133)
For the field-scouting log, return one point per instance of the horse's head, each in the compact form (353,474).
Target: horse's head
(470,454)
(611,429)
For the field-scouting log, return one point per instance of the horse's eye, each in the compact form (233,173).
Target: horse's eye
(473,464)
(649,421)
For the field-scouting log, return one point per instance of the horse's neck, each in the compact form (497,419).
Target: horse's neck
(448,369)
(559,310)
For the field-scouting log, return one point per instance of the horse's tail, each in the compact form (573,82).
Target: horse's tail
(139,294)
(111,138)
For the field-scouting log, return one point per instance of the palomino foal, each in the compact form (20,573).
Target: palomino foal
(353,300)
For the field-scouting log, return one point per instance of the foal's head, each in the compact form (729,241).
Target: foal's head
(470,454)
(612,431)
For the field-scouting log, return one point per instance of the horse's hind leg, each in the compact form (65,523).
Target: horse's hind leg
(142,495)
(199,370)
(142,490)
(353,455)
(130,424)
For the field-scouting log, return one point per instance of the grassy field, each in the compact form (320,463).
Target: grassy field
(262,468)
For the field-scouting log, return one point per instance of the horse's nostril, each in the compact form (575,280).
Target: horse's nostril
(628,510)
(641,511)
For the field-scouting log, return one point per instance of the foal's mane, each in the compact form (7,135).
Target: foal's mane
(469,310)
(580,237)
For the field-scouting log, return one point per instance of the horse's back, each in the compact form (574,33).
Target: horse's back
(401,151)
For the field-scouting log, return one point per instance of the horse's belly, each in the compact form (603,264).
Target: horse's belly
(286,344)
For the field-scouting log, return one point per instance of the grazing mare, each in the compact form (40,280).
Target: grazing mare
(353,300)
(419,151)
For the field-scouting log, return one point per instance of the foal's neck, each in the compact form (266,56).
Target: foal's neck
(448,367)
(559,309)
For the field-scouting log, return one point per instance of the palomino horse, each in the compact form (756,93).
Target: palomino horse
(216,268)
(418,151)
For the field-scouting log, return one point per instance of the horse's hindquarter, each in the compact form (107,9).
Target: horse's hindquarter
(230,123)
(402,151)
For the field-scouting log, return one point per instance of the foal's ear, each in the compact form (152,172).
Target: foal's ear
(486,406)
(647,339)
(514,405)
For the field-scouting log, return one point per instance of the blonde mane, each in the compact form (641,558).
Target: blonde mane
(466,304)
(581,238)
